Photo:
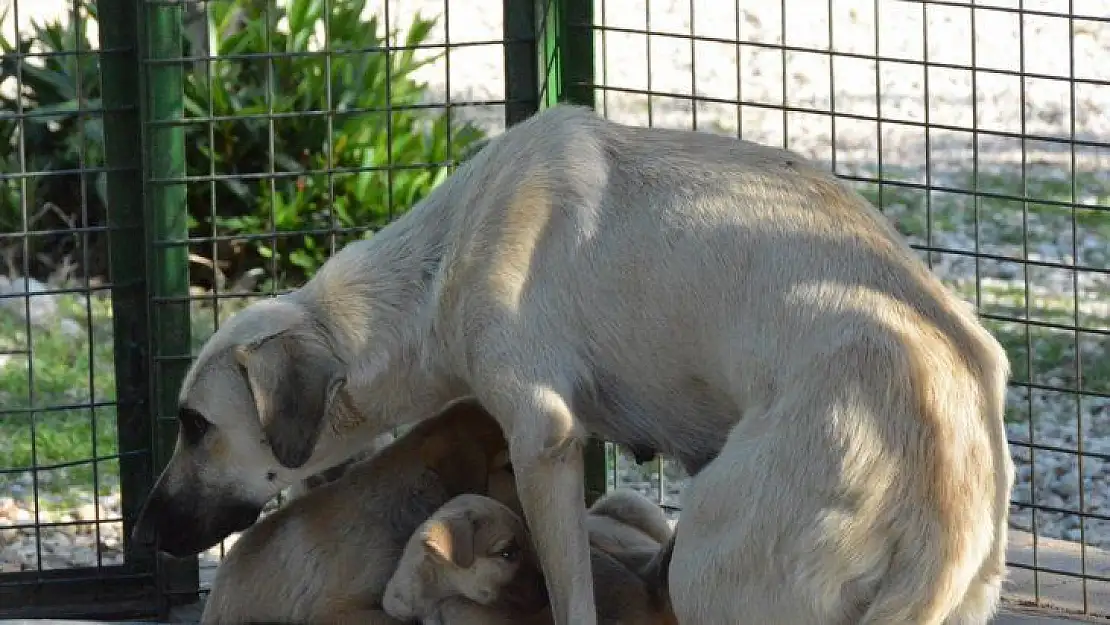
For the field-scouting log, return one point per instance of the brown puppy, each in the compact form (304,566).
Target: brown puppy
(326,556)
(455,569)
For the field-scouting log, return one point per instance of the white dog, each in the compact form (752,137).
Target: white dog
(725,303)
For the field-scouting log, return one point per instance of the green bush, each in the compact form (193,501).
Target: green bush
(326,115)
(363,140)
(56,140)
(357,113)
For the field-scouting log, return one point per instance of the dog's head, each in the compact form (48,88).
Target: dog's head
(473,548)
(251,409)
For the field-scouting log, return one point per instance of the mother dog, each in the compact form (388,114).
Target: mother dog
(725,303)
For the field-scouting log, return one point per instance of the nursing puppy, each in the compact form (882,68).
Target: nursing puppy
(728,304)
(325,557)
(457,570)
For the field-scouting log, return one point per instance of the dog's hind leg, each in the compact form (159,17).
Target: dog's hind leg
(856,499)
(743,549)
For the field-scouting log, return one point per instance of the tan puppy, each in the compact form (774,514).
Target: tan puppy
(454,570)
(625,521)
(326,556)
(727,304)
(474,548)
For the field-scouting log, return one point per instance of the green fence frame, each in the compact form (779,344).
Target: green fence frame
(548,54)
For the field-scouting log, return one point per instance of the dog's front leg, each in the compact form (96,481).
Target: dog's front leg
(545,446)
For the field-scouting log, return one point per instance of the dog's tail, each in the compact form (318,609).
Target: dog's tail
(948,570)
(635,510)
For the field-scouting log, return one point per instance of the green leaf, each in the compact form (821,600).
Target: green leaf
(62,110)
(47,86)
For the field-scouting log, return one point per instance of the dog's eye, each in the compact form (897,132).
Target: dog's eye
(193,424)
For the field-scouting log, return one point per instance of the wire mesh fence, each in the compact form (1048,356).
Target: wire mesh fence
(62,459)
(354,118)
(168,162)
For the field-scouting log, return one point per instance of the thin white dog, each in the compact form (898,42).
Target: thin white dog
(725,303)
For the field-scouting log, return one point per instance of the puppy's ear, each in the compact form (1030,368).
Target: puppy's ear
(293,386)
(451,539)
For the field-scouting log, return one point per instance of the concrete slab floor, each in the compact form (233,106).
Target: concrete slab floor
(1008,617)
(1040,617)
(1022,588)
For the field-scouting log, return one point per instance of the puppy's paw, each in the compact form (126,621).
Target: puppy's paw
(397,605)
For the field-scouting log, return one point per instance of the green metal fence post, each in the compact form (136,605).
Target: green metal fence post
(521,84)
(566,65)
(123,155)
(167,247)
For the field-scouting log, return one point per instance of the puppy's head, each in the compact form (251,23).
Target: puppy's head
(250,413)
(473,548)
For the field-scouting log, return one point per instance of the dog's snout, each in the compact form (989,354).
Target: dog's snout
(145,532)
(179,527)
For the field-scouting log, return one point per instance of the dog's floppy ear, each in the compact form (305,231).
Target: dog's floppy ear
(451,538)
(293,387)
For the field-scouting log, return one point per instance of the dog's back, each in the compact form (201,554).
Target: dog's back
(330,551)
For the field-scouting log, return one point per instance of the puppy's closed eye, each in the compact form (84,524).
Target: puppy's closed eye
(509,552)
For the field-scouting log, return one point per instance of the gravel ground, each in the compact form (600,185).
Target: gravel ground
(902,93)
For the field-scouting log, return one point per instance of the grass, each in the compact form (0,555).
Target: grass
(70,371)
(68,378)
(1014,215)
